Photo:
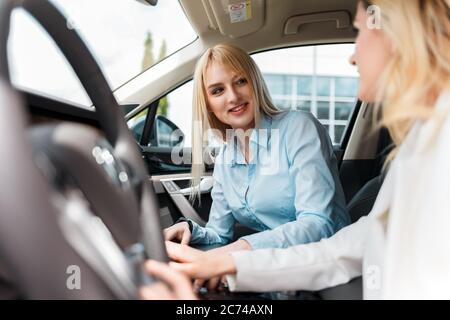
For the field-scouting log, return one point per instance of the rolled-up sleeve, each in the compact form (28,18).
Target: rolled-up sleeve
(310,156)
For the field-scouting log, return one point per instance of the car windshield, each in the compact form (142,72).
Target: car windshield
(125,36)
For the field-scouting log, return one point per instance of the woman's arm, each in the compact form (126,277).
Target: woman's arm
(220,226)
(313,266)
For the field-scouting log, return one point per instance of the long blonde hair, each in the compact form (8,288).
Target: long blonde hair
(242,64)
(420,65)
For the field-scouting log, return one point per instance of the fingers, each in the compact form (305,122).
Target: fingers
(198,283)
(204,265)
(182,253)
(179,231)
(165,273)
(170,233)
(181,285)
(176,251)
(187,269)
(213,283)
(224,281)
(157,291)
(199,271)
(186,237)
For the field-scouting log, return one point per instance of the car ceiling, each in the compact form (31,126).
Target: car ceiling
(273,20)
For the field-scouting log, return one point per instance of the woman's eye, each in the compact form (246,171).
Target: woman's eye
(216,91)
(241,81)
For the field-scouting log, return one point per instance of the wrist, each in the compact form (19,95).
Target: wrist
(228,264)
(189,222)
(242,244)
(222,263)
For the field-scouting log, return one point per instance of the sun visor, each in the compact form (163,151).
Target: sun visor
(235,18)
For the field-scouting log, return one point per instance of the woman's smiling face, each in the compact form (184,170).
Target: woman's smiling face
(229,96)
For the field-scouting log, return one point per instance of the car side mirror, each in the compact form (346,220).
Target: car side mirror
(148,2)
(165,133)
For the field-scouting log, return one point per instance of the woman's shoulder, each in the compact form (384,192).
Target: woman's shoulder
(301,128)
(292,120)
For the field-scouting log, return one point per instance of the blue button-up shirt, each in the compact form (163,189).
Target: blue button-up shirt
(289,191)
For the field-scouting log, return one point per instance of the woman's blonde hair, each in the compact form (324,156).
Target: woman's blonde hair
(419,68)
(243,65)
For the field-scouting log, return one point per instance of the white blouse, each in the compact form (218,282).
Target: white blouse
(402,248)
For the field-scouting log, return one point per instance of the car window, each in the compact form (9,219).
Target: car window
(125,36)
(173,119)
(318,79)
(137,123)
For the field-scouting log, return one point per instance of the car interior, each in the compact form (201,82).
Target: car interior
(93,185)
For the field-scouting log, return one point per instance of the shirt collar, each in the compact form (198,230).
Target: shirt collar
(260,137)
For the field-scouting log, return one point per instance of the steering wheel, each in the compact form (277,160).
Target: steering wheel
(78,212)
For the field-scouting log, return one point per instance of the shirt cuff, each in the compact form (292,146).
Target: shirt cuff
(195,232)
(231,280)
(242,263)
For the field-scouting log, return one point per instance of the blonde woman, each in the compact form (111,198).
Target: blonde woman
(276,172)
(402,248)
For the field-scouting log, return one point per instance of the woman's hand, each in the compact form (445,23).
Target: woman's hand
(204,265)
(210,265)
(174,285)
(186,254)
(183,253)
(179,231)
(215,283)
